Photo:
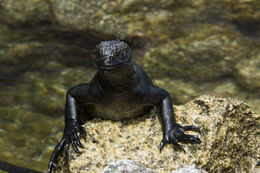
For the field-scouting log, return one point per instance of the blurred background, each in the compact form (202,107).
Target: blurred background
(189,48)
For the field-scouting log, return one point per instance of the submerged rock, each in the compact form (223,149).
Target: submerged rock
(207,53)
(248,72)
(228,133)
(14,12)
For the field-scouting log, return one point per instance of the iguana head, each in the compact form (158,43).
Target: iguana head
(113,56)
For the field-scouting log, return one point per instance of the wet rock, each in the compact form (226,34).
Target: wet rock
(229,133)
(229,88)
(182,91)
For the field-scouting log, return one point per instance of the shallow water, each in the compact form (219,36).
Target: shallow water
(39,63)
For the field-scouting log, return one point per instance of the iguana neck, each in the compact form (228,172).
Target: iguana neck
(118,81)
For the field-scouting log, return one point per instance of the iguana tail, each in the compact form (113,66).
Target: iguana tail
(10,168)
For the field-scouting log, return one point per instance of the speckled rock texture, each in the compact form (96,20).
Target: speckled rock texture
(229,135)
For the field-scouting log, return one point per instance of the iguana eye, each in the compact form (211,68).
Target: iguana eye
(122,55)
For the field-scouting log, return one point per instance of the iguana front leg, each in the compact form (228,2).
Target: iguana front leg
(72,123)
(172,132)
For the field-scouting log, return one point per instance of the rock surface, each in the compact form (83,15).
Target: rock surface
(189,169)
(128,166)
(229,135)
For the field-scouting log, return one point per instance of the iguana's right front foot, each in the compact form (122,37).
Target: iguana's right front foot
(70,137)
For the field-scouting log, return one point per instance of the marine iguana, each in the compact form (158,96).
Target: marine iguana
(119,90)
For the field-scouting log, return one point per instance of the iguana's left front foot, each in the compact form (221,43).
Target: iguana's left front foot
(177,134)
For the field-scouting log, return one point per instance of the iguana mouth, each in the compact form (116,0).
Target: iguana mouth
(110,69)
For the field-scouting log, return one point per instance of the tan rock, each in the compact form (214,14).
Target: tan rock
(229,135)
